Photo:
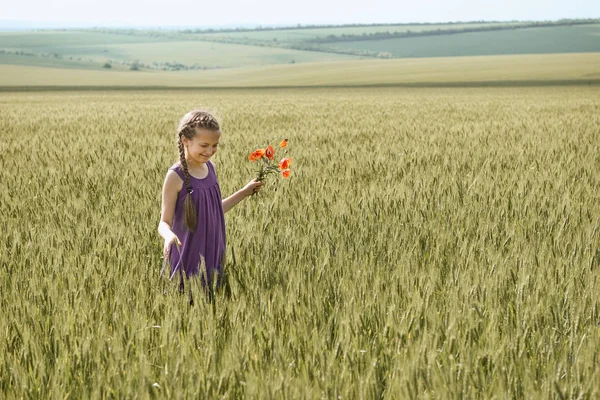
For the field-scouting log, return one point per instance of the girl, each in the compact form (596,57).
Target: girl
(192,216)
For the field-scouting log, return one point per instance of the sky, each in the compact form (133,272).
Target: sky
(203,13)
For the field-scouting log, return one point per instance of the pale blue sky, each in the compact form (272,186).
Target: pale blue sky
(268,12)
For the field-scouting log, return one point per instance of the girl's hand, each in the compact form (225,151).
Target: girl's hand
(252,187)
(168,241)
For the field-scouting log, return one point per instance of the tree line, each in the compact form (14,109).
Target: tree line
(434,32)
(330,26)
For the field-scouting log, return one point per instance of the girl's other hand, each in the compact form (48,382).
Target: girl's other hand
(253,187)
(168,241)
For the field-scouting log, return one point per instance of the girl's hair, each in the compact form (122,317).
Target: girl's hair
(187,128)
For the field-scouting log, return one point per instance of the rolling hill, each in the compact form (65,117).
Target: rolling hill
(303,56)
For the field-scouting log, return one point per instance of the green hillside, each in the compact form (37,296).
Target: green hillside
(56,40)
(560,39)
(162,55)
(76,49)
(423,40)
(214,55)
(33,60)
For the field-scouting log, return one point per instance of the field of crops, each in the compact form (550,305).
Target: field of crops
(115,49)
(90,50)
(561,39)
(431,243)
(535,69)
(218,55)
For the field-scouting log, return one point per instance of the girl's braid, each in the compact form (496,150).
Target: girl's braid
(183,162)
(203,119)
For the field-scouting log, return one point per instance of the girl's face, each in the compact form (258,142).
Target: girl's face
(202,146)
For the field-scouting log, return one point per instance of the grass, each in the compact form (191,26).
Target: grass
(430,243)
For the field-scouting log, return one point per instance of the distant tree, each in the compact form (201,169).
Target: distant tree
(134,67)
(107,65)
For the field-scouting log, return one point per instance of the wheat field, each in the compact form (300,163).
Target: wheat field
(430,243)
(507,70)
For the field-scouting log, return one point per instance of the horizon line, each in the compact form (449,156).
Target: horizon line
(50,25)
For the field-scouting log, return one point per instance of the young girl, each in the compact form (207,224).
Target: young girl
(192,216)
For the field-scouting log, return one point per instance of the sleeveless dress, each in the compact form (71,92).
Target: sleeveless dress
(206,245)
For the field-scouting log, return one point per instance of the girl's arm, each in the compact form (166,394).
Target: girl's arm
(251,188)
(171,188)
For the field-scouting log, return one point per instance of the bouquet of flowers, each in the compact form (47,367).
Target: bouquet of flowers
(268,164)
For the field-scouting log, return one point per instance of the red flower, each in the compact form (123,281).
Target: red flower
(269,152)
(283,143)
(257,155)
(286,173)
(284,163)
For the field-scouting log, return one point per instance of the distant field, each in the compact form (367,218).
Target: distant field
(90,50)
(48,40)
(51,62)
(177,50)
(189,53)
(214,55)
(457,71)
(559,39)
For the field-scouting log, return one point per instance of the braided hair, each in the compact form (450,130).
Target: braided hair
(187,128)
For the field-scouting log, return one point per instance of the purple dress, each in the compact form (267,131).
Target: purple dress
(208,240)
